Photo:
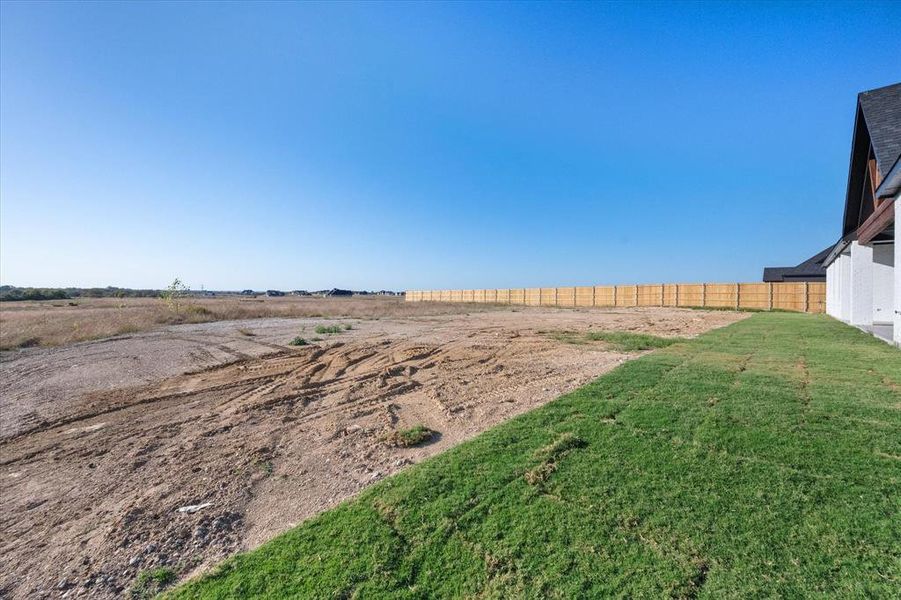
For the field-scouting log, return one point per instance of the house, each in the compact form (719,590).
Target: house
(811,269)
(274,293)
(863,287)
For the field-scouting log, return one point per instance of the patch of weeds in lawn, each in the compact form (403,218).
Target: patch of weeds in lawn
(622,341)
(328,329)
(152,582)
(298,341)
(550,455)
(409,437)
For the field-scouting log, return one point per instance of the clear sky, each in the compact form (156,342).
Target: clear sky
(426,145)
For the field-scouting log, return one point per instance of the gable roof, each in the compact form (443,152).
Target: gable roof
(882,112)
(812,269)
(877,123)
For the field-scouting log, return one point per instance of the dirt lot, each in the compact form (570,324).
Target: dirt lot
(102,443)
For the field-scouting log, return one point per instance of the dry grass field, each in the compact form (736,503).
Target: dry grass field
(57,322)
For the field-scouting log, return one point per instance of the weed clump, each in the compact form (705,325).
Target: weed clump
(550,455)
(197,310)
(298,341)
(152,582)
(26,343)
(409,437)
(324,329)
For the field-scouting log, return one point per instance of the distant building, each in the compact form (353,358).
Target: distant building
(338,292)
(274,293)
(300,293)
(248,293)
(811,269)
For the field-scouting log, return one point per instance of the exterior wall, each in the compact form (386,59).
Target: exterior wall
(844,261)
(897,301)
(861,284)
(883,283)
(833,289)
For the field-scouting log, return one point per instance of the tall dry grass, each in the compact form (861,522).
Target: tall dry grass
(58,322)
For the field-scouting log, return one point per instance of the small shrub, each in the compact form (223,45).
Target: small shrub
(152,582)
(409,437)
(323,329)
(298,341)
(174,294)
(29,342)
(347,326)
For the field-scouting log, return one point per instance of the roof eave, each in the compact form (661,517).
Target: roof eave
(839,248)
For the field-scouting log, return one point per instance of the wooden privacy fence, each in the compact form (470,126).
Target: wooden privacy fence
(801,297)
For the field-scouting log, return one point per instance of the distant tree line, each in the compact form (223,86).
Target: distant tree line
(11,293)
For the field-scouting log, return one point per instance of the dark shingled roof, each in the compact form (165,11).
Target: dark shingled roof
(882,112)
(877,123)
(811,269)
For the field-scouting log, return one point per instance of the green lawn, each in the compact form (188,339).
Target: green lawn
(762,459)
(622,341)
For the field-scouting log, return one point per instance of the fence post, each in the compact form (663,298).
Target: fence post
(806,296)
(662,293)
(594,296)
(556,296)
(636,294)
(737,296)
(614,296)
(677,294)
(769,305)
(703,295)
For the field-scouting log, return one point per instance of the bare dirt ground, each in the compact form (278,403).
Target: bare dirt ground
(102,443)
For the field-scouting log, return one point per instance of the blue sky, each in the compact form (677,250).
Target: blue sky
(426,145)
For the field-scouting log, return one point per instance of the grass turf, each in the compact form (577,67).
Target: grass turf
(762,459)
(622,341)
